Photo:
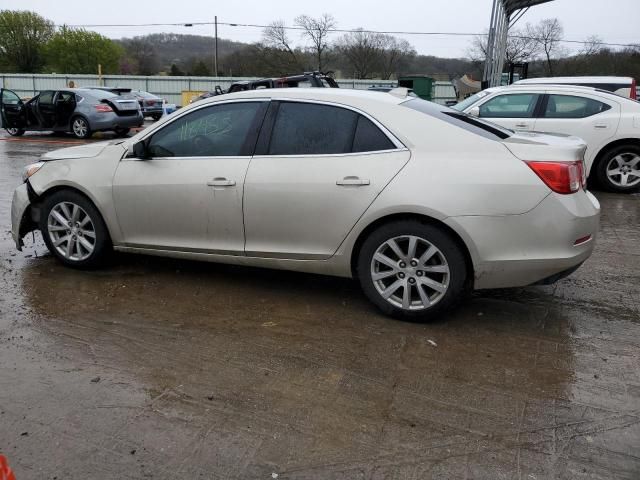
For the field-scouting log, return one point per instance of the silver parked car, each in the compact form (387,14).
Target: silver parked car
(417,201)
(150,104)
(80,111)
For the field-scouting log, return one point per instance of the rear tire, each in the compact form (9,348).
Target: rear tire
(618,170)
(80,127)
(122,132)
(412,270)
(74,230)
(15,132)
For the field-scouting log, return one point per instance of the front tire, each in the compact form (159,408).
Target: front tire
(412,270)
(74,230)
(618,170)
(156,116)
(15,132)
(80,127)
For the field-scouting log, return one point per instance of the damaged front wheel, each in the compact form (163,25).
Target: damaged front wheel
(73,230)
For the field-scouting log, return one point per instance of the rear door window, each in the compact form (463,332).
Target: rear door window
(369,138)
(570,106)
(46,97)
(517,105)
(312,129)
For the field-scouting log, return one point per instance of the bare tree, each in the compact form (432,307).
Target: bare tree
(317,30)
(547,34)
(363,51)
(143,51)
(592,46)
(520,48)
(275,35)
(396,54)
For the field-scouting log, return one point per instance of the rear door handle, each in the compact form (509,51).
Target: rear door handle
(522,125)
(601,125)
(353,181)
(221,182)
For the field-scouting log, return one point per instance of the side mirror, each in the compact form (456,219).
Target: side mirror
(474,111)
(140,150)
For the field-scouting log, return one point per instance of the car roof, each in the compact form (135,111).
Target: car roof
(547,86)
(585,79)
(336,95)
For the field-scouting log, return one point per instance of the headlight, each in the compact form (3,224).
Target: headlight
(30,170)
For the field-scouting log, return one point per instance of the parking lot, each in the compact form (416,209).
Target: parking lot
(158,368)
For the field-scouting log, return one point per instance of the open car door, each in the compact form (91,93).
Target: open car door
(12,111)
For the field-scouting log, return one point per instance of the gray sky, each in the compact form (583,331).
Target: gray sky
(613,20)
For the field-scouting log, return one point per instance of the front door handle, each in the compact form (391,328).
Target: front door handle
(221,182)
(522,125)
(601,125)
(353,181)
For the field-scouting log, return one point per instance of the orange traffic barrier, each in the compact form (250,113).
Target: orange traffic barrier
(5,471)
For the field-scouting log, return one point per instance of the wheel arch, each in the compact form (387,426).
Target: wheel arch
(76,114)
(76,189)
(611,145)
(394,217)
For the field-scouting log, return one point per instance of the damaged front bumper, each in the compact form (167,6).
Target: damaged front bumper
(21,215)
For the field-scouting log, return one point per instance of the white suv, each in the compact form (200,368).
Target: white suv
(609,124)
(624,86)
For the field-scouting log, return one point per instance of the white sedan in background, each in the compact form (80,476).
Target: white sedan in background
(608,123)
(417,201)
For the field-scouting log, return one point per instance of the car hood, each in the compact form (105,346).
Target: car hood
(83,151)
(545,146)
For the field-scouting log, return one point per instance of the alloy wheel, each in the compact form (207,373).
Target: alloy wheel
(623,170)
(71,231)
(12,131)
(410,273)
(80,128)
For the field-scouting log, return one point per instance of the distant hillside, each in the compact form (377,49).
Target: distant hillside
(149,54)
(166,49)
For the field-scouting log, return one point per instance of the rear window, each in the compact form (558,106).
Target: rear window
(146,94)
(461,120)
(99,94)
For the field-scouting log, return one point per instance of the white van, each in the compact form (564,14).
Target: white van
(624,86)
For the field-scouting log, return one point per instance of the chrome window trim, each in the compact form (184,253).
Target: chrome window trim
(399,145)
(188,111)
(324,155)
(201,157)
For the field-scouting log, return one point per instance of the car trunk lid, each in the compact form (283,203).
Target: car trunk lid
(536,146)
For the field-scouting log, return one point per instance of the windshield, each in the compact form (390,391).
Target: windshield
(467,102)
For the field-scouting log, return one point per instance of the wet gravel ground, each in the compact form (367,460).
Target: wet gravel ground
(154,368)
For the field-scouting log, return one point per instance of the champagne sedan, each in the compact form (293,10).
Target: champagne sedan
(416,201)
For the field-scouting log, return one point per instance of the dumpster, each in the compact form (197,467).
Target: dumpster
(421,85)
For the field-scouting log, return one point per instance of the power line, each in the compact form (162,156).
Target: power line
(352,30)
(334,30)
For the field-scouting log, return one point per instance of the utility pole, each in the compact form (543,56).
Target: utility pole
(215,48)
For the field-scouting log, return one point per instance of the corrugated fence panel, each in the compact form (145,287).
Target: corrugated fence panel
(444,92)
(171,88)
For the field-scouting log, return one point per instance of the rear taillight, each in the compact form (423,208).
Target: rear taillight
(103,108)
(561,177)
(634,92)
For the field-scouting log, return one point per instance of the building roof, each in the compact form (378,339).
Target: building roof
(512,6)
